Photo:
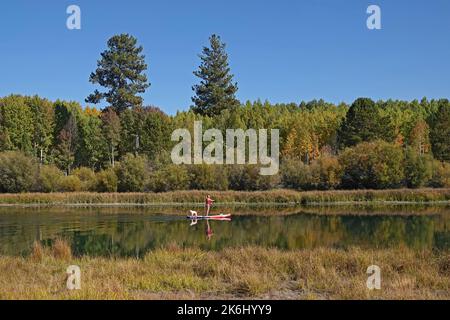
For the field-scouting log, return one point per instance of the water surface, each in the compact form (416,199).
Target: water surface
(135,231)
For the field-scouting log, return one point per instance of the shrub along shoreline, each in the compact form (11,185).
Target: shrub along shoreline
(276,197)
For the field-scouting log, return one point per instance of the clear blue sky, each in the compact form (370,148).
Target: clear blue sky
(283,51)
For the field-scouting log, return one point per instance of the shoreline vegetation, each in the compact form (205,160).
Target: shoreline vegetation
(224,198)
(238,273)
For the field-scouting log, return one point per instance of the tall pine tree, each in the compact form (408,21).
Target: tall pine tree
(120,70)
(216,91)
(363,123)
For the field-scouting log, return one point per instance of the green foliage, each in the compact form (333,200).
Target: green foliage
(111,131)
(87,178)
(43,115)
(326,173)
(322,174)
(156,133)
(132,173)
(208,177)
(145,130)
(65,135)
(129,130)
(441,175)
(419,138)
(295,174)
(107,181)
(66,145)
(71,184)
(418,168)
(16,124)
(364,122)
(63,112)
(18,173)
(247,177)
(372,165)
(216,91)
(122,70)
(169,178)
(91,148)
(440,134)
(50,178)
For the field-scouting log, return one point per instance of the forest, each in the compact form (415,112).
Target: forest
(62,146)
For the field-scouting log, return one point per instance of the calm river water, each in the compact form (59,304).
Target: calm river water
(135,231)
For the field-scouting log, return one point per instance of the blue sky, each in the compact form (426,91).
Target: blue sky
(283,51)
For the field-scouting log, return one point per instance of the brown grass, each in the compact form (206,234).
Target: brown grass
(230,197)
(251,272)
(37,252)
(61,250)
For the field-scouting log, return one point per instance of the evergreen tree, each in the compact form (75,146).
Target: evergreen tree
(363,123)
(216,91)
(121,70)
(440,133)
(63,112)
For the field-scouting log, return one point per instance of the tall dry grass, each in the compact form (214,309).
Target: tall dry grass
(229,197)
(37,252)
(60,250)
(251,272)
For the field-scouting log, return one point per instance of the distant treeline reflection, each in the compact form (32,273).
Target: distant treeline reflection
(134,235)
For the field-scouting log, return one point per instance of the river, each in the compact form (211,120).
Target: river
(135,231)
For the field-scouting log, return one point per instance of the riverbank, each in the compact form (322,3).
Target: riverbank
(196,198)
(242,273)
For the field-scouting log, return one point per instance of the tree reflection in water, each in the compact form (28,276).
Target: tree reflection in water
(125,233)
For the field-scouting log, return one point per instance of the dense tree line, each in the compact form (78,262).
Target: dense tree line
(60,146)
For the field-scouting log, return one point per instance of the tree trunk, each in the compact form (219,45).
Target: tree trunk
(137,145)
(112,156)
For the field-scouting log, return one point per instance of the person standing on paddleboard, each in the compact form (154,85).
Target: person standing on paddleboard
(208,204)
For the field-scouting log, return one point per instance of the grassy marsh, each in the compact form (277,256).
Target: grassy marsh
(249,272)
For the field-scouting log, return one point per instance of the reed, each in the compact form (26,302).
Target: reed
(61,250)
(279,196)
(234,273)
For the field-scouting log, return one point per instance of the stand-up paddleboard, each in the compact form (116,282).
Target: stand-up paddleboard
(222,217)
